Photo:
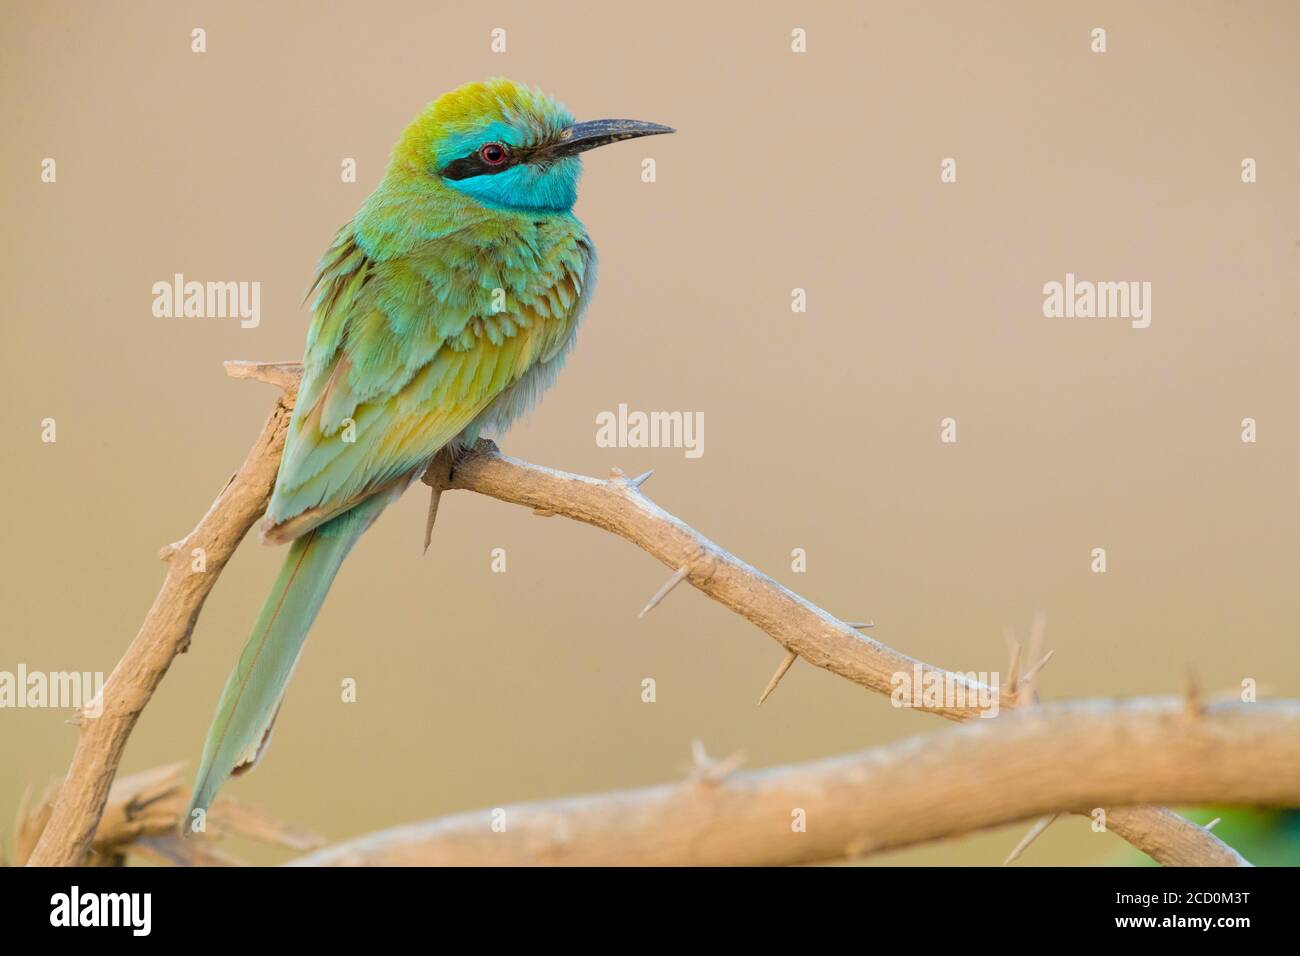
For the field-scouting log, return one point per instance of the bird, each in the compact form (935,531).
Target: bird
(443,310)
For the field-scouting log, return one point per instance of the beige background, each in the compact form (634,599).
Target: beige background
(819,171)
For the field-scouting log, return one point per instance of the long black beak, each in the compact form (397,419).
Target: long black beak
(581,137)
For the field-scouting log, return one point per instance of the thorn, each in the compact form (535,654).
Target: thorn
(1034,833)
(781,668)
(1212,824)
(615,473)
(678,577)
(706,770)
(699,757)
(1033,671)
(1037,631)
(860,625)
(725,768)
(1194,702)
(438,477)
(1013,668)
(168,551)
(641,479)
(1025,693)
(435,494)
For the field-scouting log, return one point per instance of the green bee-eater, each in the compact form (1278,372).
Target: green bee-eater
(443,309)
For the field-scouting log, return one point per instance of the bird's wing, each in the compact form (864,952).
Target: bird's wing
(403,354)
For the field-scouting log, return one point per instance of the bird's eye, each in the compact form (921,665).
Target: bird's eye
(494,154)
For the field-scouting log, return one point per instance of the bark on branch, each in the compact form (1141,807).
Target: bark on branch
(1073,756)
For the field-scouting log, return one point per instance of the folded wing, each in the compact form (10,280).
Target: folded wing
(403,354)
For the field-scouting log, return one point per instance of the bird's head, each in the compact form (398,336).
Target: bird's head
(506,146)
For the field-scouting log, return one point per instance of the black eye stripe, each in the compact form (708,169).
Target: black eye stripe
(473,165)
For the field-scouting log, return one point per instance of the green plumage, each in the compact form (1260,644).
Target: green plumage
(251,697)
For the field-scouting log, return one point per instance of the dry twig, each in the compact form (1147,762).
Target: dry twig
(165,631)
(143,815)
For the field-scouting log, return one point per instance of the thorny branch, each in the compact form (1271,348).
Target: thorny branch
(616,505)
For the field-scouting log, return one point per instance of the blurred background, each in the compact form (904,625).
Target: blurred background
(817,171)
